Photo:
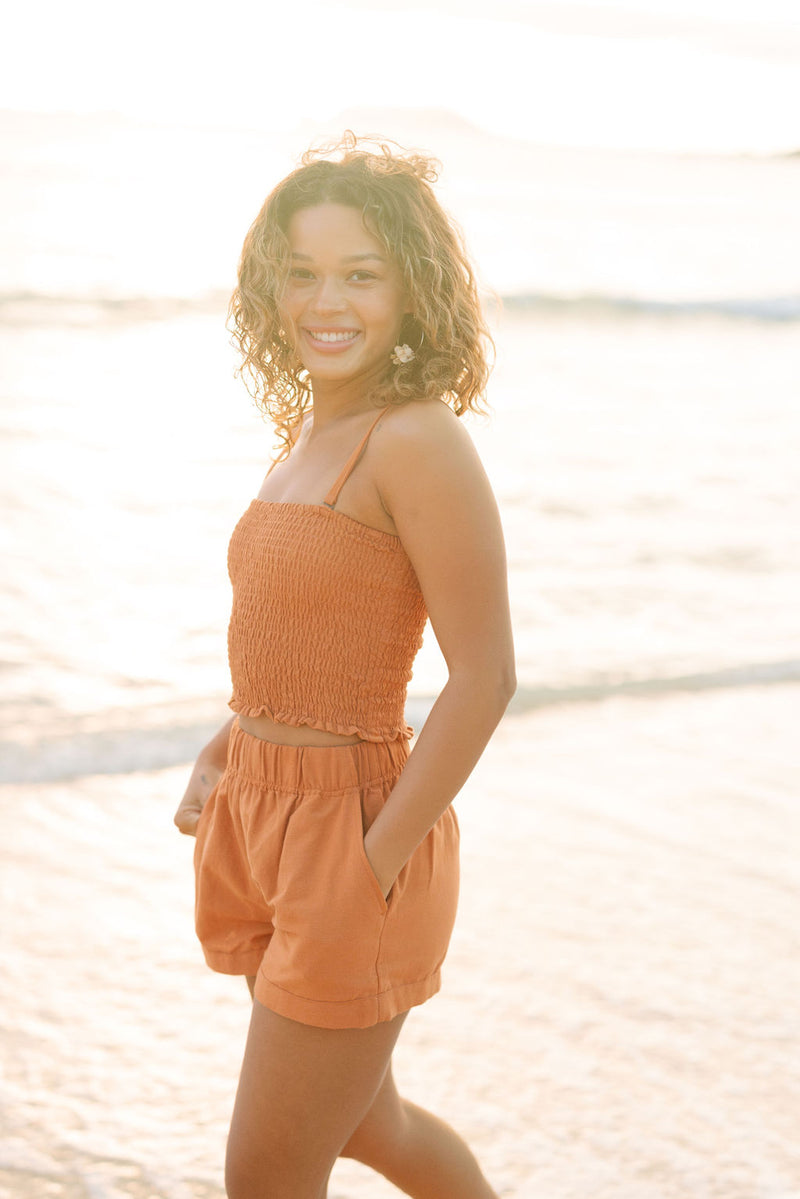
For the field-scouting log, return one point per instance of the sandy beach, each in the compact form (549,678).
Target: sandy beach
(619,1015)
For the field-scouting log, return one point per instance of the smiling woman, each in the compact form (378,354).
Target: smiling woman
(327,851)
(385,209)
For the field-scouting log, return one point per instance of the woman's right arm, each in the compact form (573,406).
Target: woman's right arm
(207,772)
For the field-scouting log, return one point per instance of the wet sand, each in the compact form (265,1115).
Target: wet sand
(619,1015)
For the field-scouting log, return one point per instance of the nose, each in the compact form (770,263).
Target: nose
(328,295)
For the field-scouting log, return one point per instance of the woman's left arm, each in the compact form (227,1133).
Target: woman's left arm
(434,486)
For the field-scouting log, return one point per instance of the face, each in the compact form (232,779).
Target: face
(344,300)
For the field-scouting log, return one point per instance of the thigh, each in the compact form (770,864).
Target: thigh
(302,1092)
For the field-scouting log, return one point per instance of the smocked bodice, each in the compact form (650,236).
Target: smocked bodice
(326,621)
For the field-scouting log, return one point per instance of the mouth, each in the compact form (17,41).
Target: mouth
(331,339)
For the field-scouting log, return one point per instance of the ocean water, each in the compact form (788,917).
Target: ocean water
(643,445)
(643,441)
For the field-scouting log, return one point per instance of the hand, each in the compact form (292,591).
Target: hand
(204,779)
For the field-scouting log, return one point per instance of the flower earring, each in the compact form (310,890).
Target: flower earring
(403,354)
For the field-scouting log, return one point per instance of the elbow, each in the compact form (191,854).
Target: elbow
(489,686)
(499,686)
(507,684)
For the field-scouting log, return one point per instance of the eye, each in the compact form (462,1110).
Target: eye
(300,272)
(361,276)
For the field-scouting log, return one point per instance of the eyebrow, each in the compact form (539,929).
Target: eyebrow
(350,257)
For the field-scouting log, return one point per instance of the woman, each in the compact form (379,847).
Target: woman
(327,854)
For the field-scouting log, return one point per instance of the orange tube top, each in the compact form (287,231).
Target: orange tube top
(327,619)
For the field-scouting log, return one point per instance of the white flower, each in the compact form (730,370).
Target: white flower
(402,354)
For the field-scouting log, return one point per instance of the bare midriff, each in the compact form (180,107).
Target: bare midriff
(289,734)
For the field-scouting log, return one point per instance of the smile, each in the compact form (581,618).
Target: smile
(332,337)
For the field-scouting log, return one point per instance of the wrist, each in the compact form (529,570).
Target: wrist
(209,766)
(383,862)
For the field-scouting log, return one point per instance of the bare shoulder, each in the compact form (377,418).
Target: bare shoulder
(424,459)
(421,431)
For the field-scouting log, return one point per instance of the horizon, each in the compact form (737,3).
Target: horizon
(646,76)
(436,120)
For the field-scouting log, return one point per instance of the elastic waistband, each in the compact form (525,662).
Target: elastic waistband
(314,767)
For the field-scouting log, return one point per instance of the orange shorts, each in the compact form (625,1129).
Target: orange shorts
(285,890)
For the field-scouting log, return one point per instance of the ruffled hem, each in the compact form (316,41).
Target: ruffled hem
(395,732)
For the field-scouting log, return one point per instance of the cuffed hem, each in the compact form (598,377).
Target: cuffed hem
(363,1012)
(234,963)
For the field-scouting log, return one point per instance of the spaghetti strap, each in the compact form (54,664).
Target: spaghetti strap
(333,494)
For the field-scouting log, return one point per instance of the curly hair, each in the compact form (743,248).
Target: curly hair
(398,207)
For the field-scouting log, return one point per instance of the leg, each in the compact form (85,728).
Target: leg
(417,1152)
(302,1092)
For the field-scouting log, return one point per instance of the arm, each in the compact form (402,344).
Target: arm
(206,774)
(434,487)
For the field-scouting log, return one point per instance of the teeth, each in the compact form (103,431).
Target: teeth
(319,336)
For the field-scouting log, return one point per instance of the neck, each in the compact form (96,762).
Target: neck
(332,400)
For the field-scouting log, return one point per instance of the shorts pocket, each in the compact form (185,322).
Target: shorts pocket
(362,819)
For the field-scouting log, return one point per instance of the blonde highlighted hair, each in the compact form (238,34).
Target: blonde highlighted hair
(393,193)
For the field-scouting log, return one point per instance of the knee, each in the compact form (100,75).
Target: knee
(238,1179)
(246,1174)
(271,1172)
